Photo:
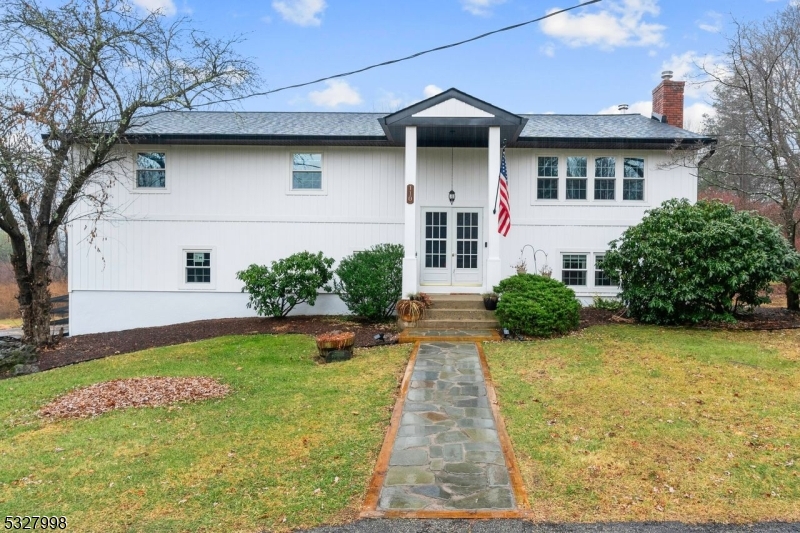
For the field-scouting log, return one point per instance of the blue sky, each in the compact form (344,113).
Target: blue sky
(586,61)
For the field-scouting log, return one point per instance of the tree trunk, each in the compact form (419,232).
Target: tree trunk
(792,297)
(34,298)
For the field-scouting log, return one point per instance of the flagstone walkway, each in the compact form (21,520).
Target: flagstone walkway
(447,454)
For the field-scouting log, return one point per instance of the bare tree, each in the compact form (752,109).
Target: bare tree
(73,80)
(757,122)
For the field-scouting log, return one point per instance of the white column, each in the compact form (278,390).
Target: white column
(490,228)
(410,223)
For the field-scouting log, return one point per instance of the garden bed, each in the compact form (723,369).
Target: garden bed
(95,346)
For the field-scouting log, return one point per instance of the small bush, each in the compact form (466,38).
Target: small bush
(687,263)
(536,305)
(607,304)
(275,291)
(371,282)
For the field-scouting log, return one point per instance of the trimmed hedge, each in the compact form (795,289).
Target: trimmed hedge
(537,306)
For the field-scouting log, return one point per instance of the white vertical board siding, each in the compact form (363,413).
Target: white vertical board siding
(236,201)
(562,226)
(468,171)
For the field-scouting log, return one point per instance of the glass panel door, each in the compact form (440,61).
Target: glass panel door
(467,248)
(436,239)
(451,247)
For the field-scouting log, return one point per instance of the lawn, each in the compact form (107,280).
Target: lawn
(620,423)
(293,445)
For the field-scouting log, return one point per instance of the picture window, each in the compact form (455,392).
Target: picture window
(151,170)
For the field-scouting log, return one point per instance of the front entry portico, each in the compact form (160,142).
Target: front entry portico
(448,247)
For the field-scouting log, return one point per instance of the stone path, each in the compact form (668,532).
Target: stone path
(447,455)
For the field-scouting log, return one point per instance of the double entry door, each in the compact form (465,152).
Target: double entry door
(452,246)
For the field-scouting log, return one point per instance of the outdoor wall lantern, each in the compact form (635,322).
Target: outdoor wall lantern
(452,196)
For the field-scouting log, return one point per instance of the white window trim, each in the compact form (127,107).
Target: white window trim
(591,260)
(167,180)
(644,180)
(182,284)
(290,172)
(561,168)
(590,155)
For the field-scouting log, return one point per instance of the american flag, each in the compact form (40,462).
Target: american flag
(504,217)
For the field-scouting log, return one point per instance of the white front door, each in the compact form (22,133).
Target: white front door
(451,246)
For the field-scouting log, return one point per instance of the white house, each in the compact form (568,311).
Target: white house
(205,194)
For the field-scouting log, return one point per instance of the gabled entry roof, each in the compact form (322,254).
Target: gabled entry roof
(452,118)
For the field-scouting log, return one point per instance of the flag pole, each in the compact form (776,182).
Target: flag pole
(497,193)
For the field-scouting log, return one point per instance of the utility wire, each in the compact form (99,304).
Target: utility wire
(431,50)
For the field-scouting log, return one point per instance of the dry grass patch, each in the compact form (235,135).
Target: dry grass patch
(621,423)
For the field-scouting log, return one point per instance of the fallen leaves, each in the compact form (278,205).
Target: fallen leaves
(135,392)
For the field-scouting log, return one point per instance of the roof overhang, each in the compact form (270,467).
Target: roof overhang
(452,118)
(620,143)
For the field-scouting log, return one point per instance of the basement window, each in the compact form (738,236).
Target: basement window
(198,267)
(573,269)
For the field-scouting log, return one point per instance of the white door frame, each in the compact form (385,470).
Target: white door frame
(469,279)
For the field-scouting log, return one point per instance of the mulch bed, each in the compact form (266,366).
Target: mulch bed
(135,392)
(97,345)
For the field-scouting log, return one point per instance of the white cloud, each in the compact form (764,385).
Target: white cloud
(712,23)
(300,12)
(389,102)
(689,67)
(482,8)
(693,116)
(167,7)
(431,90)
(621,23)
(548,49)
(338,93)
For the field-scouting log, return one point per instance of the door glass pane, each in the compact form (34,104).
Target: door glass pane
(436,240)
(467,240)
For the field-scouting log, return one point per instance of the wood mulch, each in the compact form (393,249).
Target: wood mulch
(135,392)
(97,345)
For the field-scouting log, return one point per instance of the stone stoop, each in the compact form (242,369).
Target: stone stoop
(454,317)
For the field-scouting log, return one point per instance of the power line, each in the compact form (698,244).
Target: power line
(431,50)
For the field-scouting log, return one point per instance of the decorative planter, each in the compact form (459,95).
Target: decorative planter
(490,303)
(336,346)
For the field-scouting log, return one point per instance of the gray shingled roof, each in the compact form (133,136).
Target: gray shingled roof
(257,123)
(628,126)
(312,124)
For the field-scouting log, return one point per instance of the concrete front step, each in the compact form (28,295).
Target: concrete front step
(456,301)
(465,324)
(438,313)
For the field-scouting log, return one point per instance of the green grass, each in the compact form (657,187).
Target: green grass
(249,461)
(645,423)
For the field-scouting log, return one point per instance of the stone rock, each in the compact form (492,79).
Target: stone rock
(408,475)
(21,370)
(416,457)
(494,498)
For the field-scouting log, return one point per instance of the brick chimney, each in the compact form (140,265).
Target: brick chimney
(668,100)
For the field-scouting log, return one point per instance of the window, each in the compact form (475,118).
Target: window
(601,279)
(573,269)
(576,178)
(307,172)
(151,170)
(633,179)
(198,267)
(604,174)
(547,183)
